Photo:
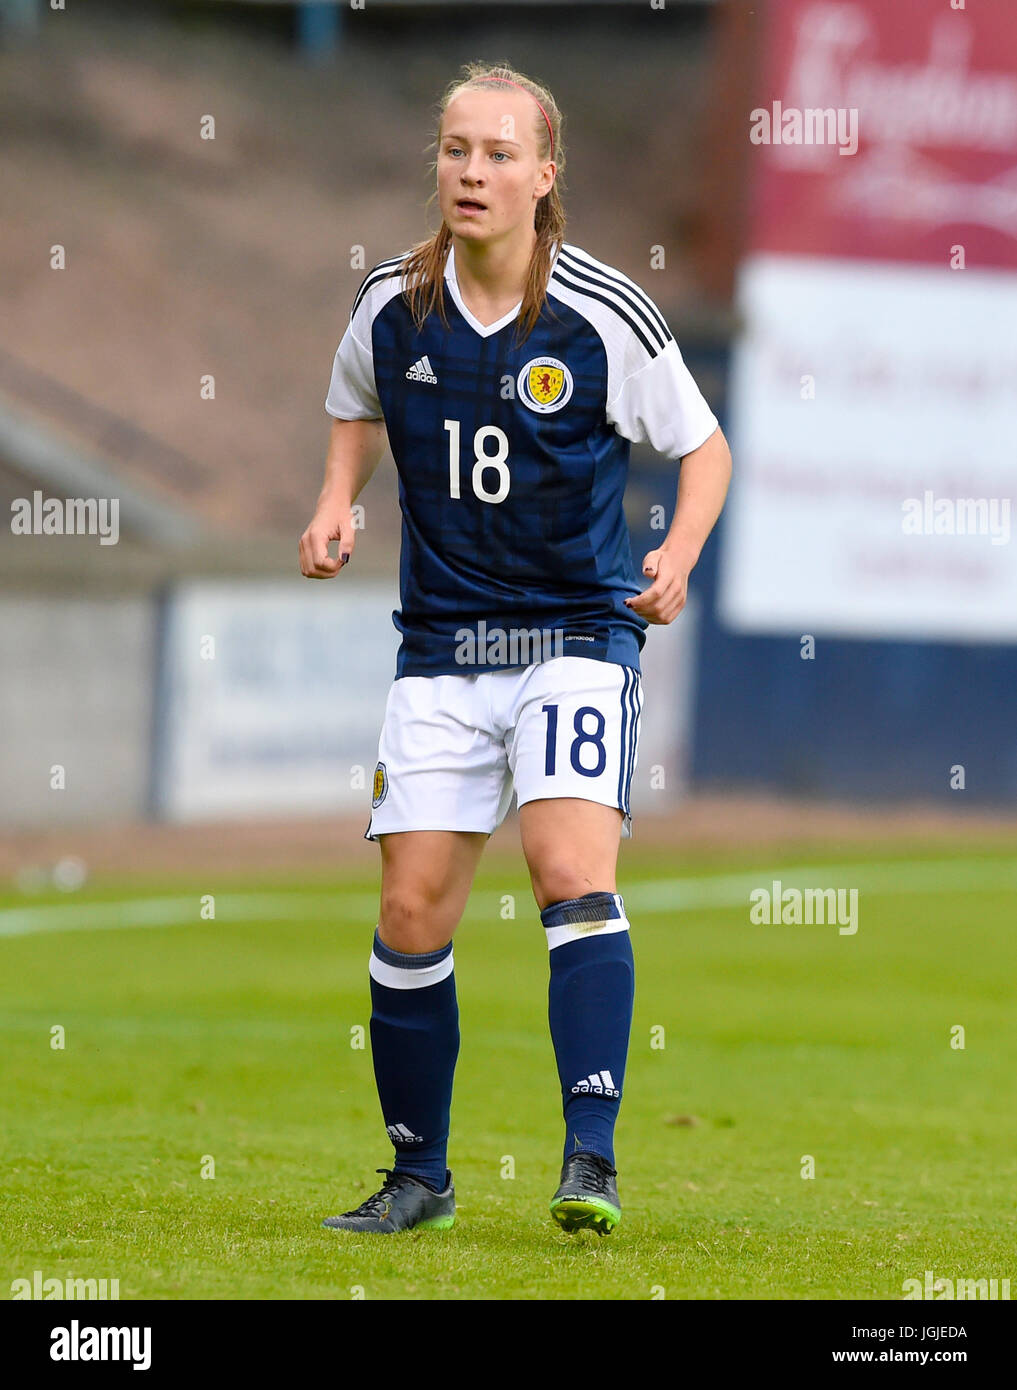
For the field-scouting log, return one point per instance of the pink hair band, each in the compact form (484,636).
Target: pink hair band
(529,94)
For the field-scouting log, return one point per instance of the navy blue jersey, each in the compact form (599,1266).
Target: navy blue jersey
(512,460)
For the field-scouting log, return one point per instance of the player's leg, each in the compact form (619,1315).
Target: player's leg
(426,876)
(440,789)
(571,848)
(426,880)
(573,754)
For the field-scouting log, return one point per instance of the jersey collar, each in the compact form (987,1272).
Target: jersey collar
(485,330)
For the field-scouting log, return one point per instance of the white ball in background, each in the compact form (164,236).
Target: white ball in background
(69,873)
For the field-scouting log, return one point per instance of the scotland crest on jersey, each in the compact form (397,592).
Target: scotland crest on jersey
(545,384)
(380,785)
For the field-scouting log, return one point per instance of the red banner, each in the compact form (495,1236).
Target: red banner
(891,131)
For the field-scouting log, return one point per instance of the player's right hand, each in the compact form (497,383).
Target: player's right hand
(315,561)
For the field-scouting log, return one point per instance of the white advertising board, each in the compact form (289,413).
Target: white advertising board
(874,437)
(273,697)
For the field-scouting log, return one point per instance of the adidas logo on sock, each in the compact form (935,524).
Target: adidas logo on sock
(399,1134)
(596,1084)
(422,371)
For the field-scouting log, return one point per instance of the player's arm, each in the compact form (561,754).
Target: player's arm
(354,450)
(702,488)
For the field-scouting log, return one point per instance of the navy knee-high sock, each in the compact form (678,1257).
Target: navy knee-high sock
(415,1043)
(590,998)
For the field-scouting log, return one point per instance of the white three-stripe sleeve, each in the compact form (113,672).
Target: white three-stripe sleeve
(352,392)
(660,403)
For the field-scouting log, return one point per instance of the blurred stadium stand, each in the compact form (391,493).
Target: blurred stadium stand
(232,256)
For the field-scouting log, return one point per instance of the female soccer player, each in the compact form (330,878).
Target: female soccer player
(510,370)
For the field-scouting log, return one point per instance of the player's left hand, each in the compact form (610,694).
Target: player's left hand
(665,598)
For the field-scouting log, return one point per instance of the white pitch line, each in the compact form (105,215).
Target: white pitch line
(179,911)
(914,876)
(646,896)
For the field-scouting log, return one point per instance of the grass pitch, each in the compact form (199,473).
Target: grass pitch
(195,1045)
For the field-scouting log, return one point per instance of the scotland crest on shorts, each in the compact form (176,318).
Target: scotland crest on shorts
(544,384)
(380,785)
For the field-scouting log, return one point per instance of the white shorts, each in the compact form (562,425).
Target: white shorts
(453,747)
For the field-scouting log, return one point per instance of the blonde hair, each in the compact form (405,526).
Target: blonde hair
(423,266)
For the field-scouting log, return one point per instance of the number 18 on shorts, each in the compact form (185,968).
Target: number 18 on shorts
(453,747)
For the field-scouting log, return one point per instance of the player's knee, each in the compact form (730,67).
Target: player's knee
(559,882)
(414,921)
(404,909)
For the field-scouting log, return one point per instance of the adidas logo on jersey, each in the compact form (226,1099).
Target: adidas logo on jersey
(596,1084)
(422,371)
(399,1134)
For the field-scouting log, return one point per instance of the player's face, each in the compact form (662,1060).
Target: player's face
(488,152)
